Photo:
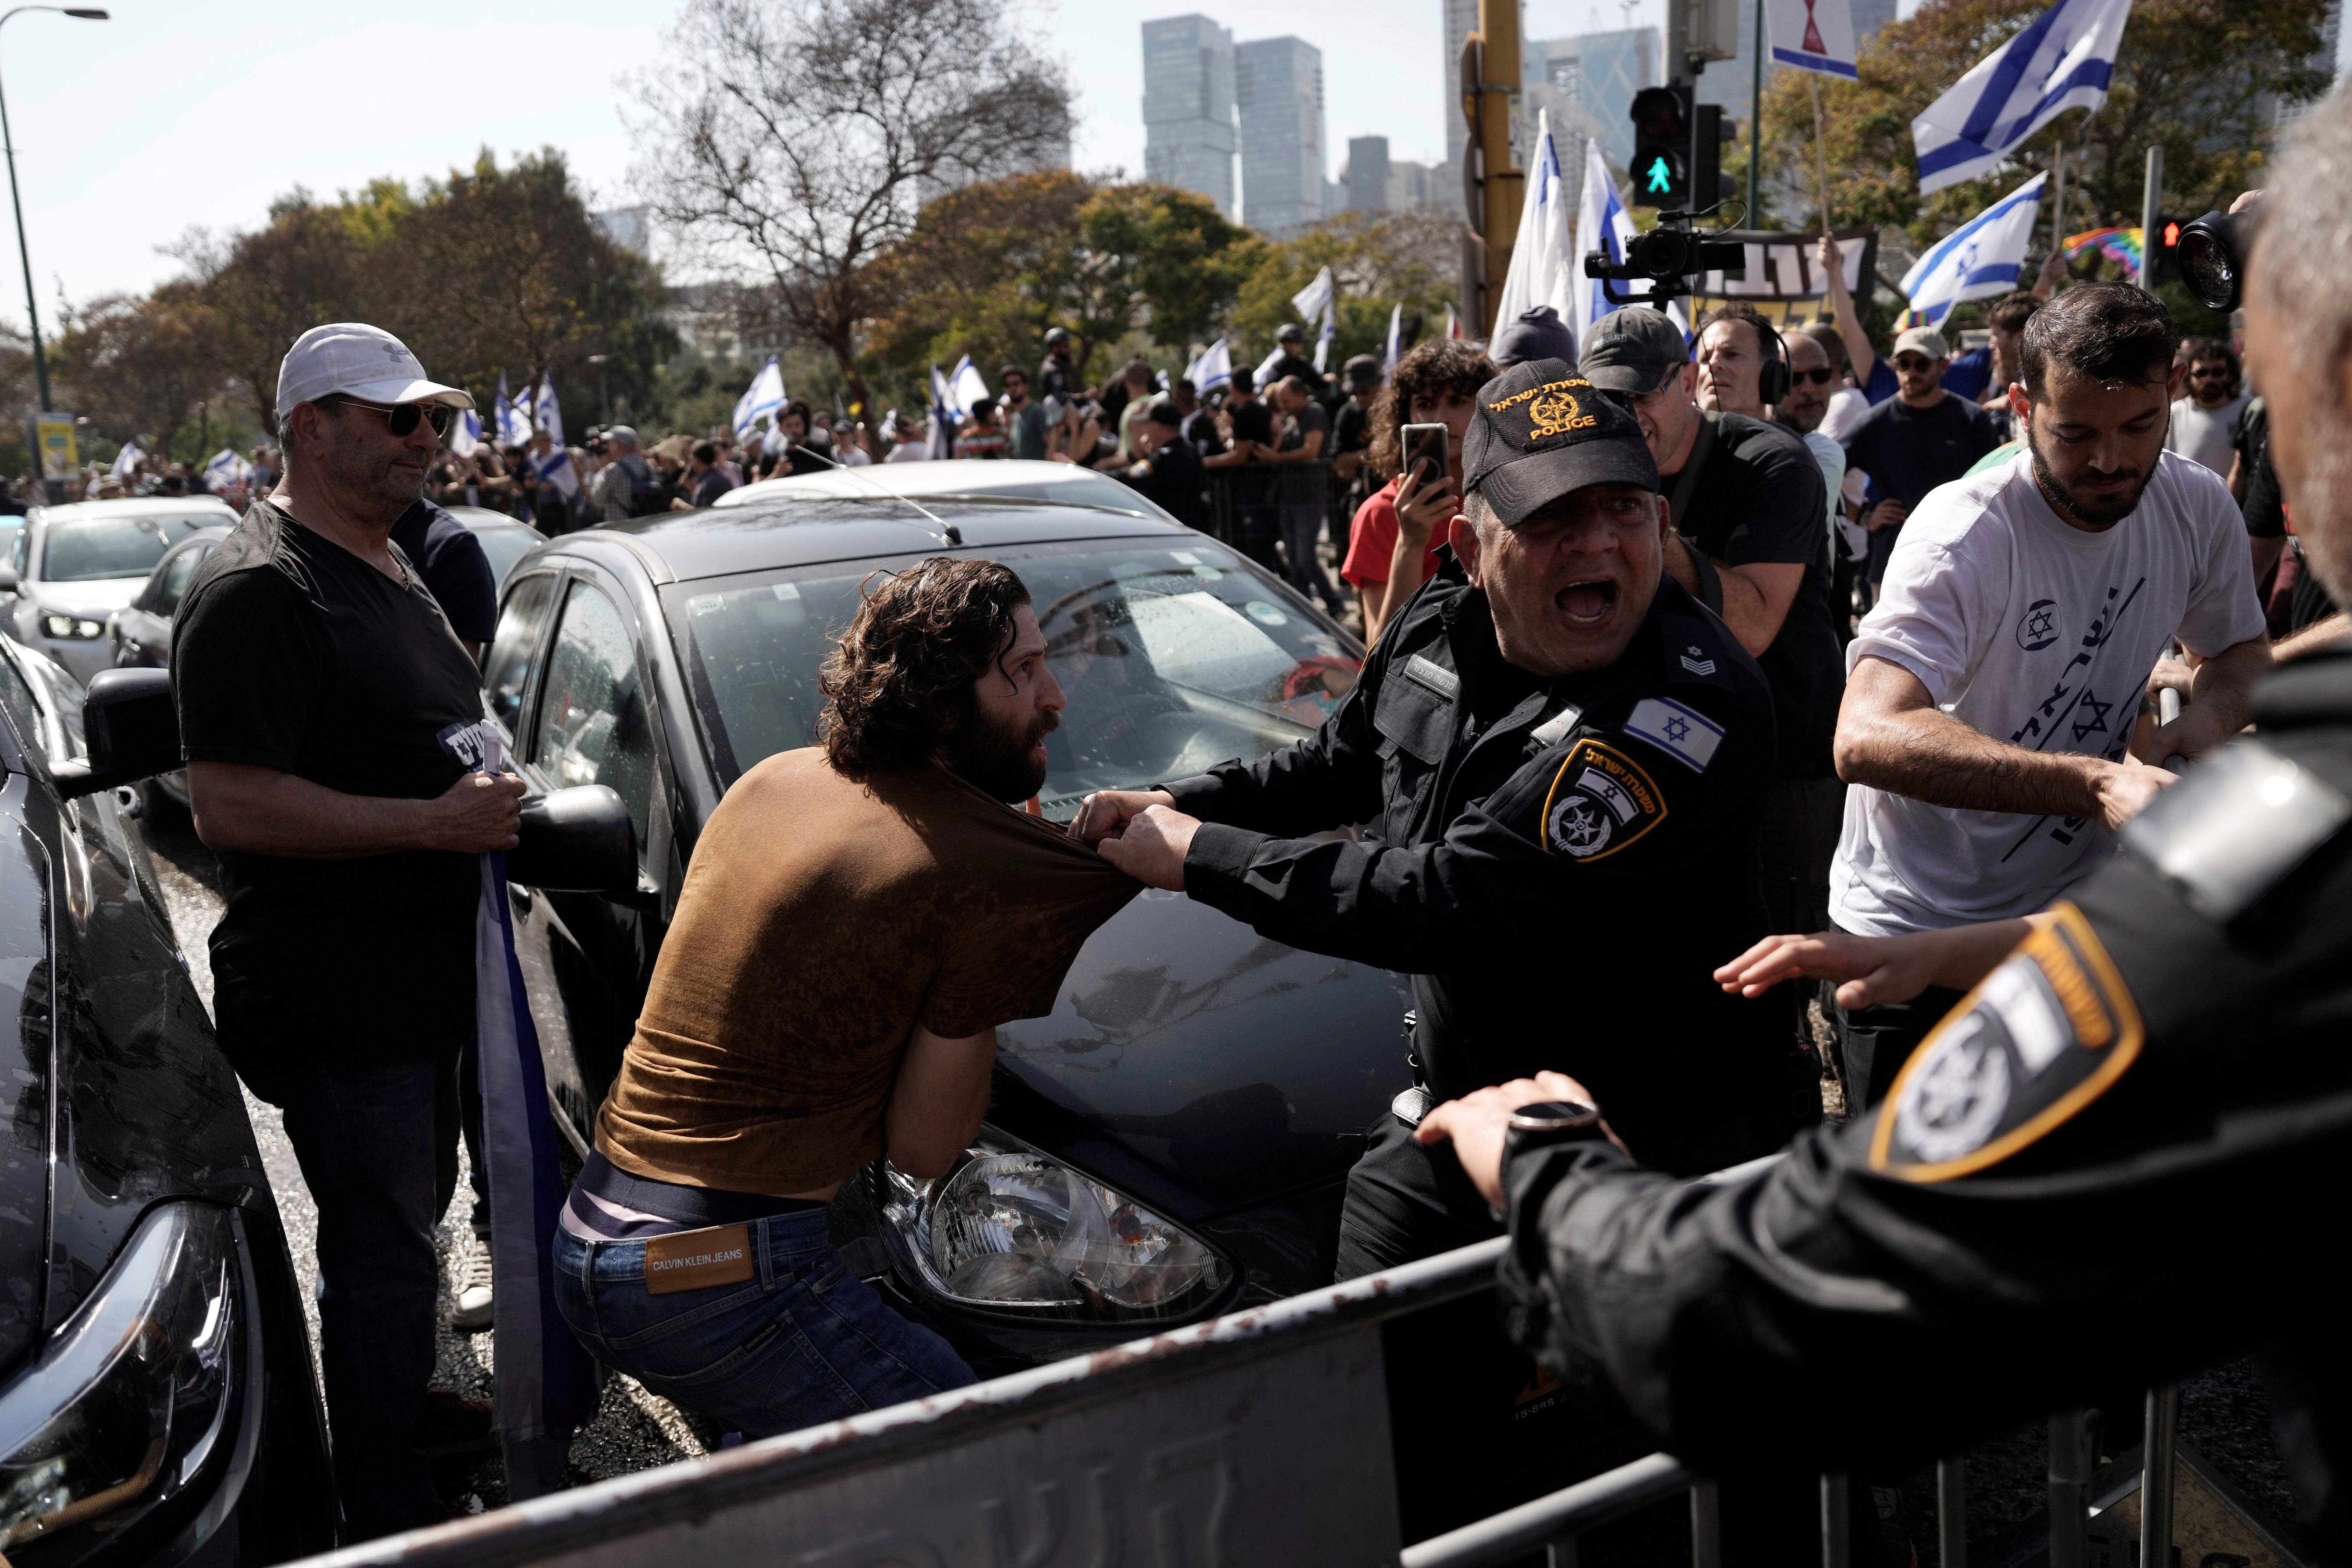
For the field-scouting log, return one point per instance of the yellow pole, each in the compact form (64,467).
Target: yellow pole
(1498,100)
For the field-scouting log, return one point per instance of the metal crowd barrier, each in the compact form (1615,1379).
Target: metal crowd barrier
(1262,1436)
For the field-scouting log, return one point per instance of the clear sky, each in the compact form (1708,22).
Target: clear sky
(184,112)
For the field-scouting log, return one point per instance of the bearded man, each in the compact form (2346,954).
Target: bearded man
(857,918)
(1991,694)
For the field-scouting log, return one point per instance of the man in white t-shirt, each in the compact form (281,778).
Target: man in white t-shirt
(2205,421)
(1992,693)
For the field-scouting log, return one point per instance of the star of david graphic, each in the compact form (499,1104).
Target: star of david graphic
(1677,727)
(2040,623)
(2091,715)
(1580,828)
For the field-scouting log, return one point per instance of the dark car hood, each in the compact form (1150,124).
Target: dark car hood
(1202,1067)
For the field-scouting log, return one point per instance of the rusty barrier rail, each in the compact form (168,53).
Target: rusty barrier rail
(1261,1436)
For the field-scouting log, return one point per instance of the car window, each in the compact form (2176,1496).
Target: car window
(16,552)
(1170,661)
(504,546)
(89,549)
(511,649)
(593,724)
(12,529)
(176,579)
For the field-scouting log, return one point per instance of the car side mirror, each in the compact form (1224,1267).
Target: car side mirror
(8,579)
(577,840)
(130,729)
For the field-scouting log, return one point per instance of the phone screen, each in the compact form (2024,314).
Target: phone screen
(1425,442)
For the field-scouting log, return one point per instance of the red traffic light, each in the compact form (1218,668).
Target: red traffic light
(2171,236)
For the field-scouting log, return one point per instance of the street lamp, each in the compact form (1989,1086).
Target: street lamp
(24,252)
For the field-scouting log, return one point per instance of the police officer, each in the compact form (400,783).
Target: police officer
(2153,1079)
(1560,751)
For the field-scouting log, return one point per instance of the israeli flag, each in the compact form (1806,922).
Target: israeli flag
(1540,272)
(1396,338)
(1603,224)
(466,435)
(1318,302)
(227,471)
(943,416)
(968,388)
(544,413)
(127,459)
(764,399)
(2062,61)
(1213,368)
(1813,34)
(513,423)
(1685,734)
(1981,258)
(544,1386)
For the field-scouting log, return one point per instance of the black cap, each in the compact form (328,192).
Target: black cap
(1536,335)
(1362,372)
(1292,332)
(1541,430)
(1163,412)
(1633,350)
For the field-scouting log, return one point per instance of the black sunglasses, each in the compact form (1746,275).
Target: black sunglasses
(400,418)
(1819,375)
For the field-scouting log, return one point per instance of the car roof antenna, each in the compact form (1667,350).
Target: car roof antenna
(949,532)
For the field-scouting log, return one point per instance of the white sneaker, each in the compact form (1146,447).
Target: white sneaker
(473,1313)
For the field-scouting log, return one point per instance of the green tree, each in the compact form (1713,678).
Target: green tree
(138,366)
(1378,261)
(2196,77)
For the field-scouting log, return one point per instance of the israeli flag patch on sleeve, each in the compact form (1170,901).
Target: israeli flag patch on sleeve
(1687,735)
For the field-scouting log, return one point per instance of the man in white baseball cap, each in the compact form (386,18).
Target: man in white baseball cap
(332,726)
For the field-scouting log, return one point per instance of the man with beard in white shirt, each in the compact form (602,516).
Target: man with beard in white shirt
(1992,693)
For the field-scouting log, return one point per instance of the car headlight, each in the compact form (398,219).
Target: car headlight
(72,626)
(1013,1229)
(125,1406)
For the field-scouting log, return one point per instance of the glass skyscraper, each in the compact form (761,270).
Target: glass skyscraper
(1278,86)
(1188,107)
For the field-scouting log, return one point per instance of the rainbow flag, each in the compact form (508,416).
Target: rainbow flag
(2120,245)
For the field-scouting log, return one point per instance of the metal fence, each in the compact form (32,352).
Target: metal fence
(1240,502)
(1259,1437)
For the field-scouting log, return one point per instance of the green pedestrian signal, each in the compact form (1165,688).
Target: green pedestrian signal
(1662,146)
(1661,179)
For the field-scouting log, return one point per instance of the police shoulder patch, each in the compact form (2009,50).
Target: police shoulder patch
(1601,801)
(2045,1034)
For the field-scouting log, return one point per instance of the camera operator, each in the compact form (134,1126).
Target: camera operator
(331,724)
(1751,543)
(2157,1064)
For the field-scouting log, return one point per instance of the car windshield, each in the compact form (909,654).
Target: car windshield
(87,549)
(504,546)
(1172,659)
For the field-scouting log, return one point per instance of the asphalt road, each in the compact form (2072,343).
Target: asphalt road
(2223,1412)
(633,1429)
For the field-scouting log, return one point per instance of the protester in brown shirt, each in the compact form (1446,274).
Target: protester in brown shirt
(857,919)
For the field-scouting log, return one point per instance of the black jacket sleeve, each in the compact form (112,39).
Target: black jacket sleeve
(1330,779)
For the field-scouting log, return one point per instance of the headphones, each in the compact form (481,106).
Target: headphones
(1772,375)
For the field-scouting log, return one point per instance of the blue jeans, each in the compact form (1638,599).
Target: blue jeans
(801,1343)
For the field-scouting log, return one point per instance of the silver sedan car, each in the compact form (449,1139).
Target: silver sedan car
(74,566)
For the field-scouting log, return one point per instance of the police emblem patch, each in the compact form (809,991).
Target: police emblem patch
(1601,801)
(2043,1035)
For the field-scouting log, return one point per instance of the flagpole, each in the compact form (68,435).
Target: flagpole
(1756,114)
(1820,157)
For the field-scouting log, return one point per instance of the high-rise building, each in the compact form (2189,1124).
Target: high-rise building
(1279,87)
(1587,84)
(1367,175)
(1461,21)
(1188,107)
(1732,83)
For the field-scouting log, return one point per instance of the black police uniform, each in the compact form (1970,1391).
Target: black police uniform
(1559,864)
(1172,479)
(2119,1159)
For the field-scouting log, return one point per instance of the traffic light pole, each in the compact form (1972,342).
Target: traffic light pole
(2151,201)
(1498,102)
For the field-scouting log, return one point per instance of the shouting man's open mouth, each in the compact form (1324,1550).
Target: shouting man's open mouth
(1588,602)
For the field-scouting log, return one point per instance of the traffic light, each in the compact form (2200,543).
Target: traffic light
(2162,251)
(1662,147)
(1710,183)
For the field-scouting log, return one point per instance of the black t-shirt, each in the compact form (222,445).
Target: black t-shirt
(1201,429)
(1171,478)
(2264,506)
(1252,421)
(289,652)
(1760,499)
(1351,428)
(1309,419)
(456,570)
(1294,364)
(1910,452)
(713,484)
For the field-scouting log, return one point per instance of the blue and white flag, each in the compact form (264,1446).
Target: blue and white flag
(126,461)
(762,400)
(1396,338)
(1318,302)
(553,467)
(544,1386)
(1813,34)
(943,416)
(513,423)
(1981,258)
(1213,368)
(466,434)
(227,470)
(1544,263)
(2062,61)
(1604,225)
(967,388)
(544,413)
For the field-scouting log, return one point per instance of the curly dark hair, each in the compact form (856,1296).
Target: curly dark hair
(2100,332)
(900,680)
(1433,369)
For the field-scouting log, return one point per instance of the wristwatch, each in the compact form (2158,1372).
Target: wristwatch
(1551,1121)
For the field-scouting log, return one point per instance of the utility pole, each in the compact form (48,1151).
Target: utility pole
(1755,116)
(2151,199)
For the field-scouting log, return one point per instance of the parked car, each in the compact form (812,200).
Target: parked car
(73,566)
(1196,1084)
(1063,484)
(157,1404)
(505,540)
